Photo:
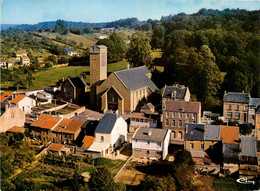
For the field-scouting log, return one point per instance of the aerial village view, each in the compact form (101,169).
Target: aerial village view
(116,95)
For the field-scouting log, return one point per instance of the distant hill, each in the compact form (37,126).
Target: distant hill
(129,22)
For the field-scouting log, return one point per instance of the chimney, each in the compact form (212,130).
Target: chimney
(173,95)
(6,107)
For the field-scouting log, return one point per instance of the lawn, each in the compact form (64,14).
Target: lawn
(226,184)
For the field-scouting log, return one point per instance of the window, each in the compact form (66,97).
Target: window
(64,89)
(237,107)
(173,114)
(173,123)
(191,145)
(202,146)
(102,138)
(180,115)
(148,142)
(167,114)
(229,106)
(187,115)
(229,115)
(245,108)
(253,117)
(159,144)
(148,152)
(193,115)
(166,122)
(237,115)
(180,123)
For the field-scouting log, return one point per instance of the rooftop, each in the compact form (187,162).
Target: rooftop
(195,132)
(150,134)
(236,97)
(5,95)
(21,52)
(70,49)
(16,129)
(184,106)
(254,102)
(139,116)
(18,98)
(248,146)
(78,82)
(229,134)
(180,91)
(55,147)
(87,141)
(107,123)
(136,78)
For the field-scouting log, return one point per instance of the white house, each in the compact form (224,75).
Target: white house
(110,134)
(20,53)
(70,52)
(24,103)
(24,60)
(151,143)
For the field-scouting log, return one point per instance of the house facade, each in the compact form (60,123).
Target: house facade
(24,60)
(10,117)
(110,134)
(23,102)
(73,90)
(239,107)
(140,120)
(176,114)
(151,143)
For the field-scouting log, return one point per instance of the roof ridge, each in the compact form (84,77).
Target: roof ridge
(130,68)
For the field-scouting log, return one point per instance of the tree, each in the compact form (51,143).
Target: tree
(102,180)
(183,169)
(158,37)
(139,52)
(52,58)
(245,129)
(18,79)
(29,80)
(154,183)
(116,47)
(61,27)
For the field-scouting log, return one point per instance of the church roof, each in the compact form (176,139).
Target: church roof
(136,78)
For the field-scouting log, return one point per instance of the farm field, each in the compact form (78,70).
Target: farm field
(85,39)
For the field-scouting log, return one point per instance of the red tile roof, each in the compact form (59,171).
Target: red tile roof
(139,116)
(55,147)
(21,52)
(16,129)
(5,95)
(74,126)
(186,106)
(87,141)
(25,57)
(229,134)
(46,121)
(18,98)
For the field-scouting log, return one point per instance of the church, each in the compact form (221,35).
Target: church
(121,91)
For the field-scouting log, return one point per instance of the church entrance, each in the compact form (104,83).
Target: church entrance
(112,100)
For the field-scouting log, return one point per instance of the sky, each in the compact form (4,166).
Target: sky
(34,11)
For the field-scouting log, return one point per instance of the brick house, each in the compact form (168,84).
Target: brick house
(176,114)
(202,140)
(73,90)
(240,107)
(56,129)
(151,143)
(122,90)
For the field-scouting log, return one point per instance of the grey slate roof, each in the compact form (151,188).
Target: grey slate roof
(107,123)
(213,133)
(248,146)
(78,82)
(257,110)
(70,49)
(136,78)
(236,97)
(157,135)
(180,92)
(254,102)
(195,132)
